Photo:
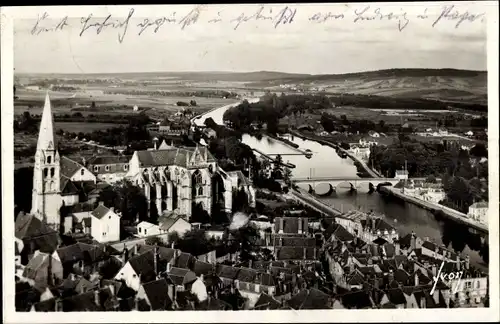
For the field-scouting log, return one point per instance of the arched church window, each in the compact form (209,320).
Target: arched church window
(200,191)
(52,172)
(49,159)
(45,172)
(82,171)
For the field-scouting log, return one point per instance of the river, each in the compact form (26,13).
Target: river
(403,216)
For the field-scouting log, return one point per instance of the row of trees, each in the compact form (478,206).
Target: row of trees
(135,132)
(383,102)
(163,93)
(331,123)
(271,108)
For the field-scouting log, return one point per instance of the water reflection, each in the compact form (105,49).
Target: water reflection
(405,217)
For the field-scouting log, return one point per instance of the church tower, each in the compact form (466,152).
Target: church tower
(47,200)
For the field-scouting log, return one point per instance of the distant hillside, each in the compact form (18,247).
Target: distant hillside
(438,84)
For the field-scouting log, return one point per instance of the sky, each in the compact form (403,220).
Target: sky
(309,46)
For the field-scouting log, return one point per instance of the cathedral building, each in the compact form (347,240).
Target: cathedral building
(174,179)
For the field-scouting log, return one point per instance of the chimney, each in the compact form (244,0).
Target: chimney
(96,297)
(281,241)
(169,267)
(58,307)
(49,271)
(398,248)
(413,242)
(172,246)
(300,225)
(373,223)
(155,260)
(467,262)
(434,269)
(135,249)
(250,263)
(281,225)
(416,279)
(305,253)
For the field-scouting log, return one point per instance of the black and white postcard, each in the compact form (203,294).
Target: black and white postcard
(247,163)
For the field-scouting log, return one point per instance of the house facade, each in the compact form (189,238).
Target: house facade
(105,224)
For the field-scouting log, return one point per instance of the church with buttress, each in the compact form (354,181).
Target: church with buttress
(175,180)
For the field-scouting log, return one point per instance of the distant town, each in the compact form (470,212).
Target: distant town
(230,192)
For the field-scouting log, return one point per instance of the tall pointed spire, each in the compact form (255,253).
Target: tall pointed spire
(46,139)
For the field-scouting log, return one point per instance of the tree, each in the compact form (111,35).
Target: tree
(173,237)
(479,150)
(93,105)
(127,199)
(246,237)
(431,179)
(194,242)
(155,240)
(192,103)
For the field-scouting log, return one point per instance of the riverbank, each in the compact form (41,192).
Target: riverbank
(447,212)
(363,165)
(309,200)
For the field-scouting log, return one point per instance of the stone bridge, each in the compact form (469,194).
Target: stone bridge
(325,185)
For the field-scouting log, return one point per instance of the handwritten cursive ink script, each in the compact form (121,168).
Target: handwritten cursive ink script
(105,23)
(258,15)
(285,16)
(450,13)
(39,26)
(321,17)
(364,14)
(191,18)
(157,23)
(216,19)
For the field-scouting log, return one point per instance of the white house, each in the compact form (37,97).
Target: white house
(174,224)
(145,229)
(479,212)
(105,224)
(136,108)
(469,133)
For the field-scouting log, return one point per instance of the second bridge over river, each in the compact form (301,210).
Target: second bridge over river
(324,185)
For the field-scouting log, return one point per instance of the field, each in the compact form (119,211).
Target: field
(77,127)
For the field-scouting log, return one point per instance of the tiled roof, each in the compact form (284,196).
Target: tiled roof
(143,264)
(309,299)
(396,296)
(82,252)
(157,293)
(25,297)
(181,276)
(202,268)
(86,302)
(169,222)
(69,167)
(295,253)
(227,272)
(33,265)
(175,156)
(100,211)
(294,241)
(67,186)
(185,260)
(112,159)
(266,302)
(30,228)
